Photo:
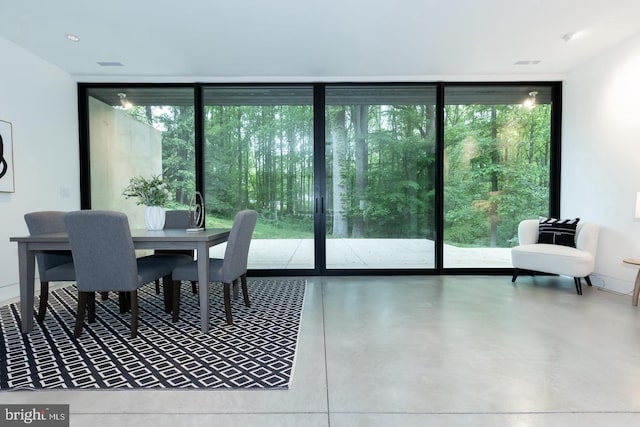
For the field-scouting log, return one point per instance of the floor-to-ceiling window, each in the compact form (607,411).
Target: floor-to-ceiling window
(258,151)
(497,169)
(139,131)
(380,173)
(412,177)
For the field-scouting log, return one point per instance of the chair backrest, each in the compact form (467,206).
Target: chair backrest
(45,222)
(103,251)
(586,235)
(177,219)
(237,251)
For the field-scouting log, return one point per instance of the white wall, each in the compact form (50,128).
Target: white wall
(40,101)
(601,157)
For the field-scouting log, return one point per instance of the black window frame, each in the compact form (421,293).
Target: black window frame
(319,166)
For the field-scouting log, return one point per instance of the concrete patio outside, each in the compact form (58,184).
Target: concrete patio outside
(368,254)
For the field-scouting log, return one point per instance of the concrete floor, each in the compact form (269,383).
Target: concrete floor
(421,351)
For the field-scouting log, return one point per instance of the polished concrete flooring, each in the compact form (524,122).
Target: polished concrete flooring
(421,351)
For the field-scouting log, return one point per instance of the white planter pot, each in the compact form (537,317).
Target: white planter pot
(154,217)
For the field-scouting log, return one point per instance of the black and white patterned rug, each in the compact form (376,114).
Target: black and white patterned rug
(257,352)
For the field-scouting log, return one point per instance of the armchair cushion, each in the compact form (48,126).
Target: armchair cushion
(554,259)
(558,231)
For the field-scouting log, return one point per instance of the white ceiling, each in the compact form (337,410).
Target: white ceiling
(328,40)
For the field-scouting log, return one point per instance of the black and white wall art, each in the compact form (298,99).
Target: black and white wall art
(6,158)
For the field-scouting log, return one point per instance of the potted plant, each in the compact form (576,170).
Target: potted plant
(154,194)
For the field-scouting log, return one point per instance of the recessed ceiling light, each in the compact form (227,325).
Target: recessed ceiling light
(72,37)
(571,36)
(527,62)
(110,64)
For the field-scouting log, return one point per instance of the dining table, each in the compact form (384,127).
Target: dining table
(200,241)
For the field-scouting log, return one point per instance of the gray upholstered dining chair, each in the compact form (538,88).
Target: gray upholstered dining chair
(105,260)
(227,270)
(175,219)
(53,266)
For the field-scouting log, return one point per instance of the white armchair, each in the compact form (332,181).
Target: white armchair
(576,262)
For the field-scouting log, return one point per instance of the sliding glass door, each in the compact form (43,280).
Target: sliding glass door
(380,174)
(497,159)
(258,152)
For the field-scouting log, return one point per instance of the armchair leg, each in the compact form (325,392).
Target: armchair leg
(82,306)
(588,279)
(104,296)
(227,302)
(515,275)
(194,287)
(157,286)
(578,285)
(44,298)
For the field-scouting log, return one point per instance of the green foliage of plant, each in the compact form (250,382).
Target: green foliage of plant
(151,191)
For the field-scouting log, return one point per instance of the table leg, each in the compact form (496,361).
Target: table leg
(26,272)
(636,289)
(203,279)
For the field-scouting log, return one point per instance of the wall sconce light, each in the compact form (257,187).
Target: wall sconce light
(530,102)
(124,102)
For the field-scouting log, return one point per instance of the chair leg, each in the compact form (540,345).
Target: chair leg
(44,298)
(91,307)
(194,287)
(123,299)
(157,286)
(166,289)
(227,302)
(236,290)
(515,275)
(578,285)
(133,296)
(176,300)
(588,279)
(245,290)
(82,305)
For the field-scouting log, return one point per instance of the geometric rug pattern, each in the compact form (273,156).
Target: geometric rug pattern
(257,352)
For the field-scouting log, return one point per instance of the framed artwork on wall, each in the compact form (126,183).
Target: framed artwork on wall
(6,158)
